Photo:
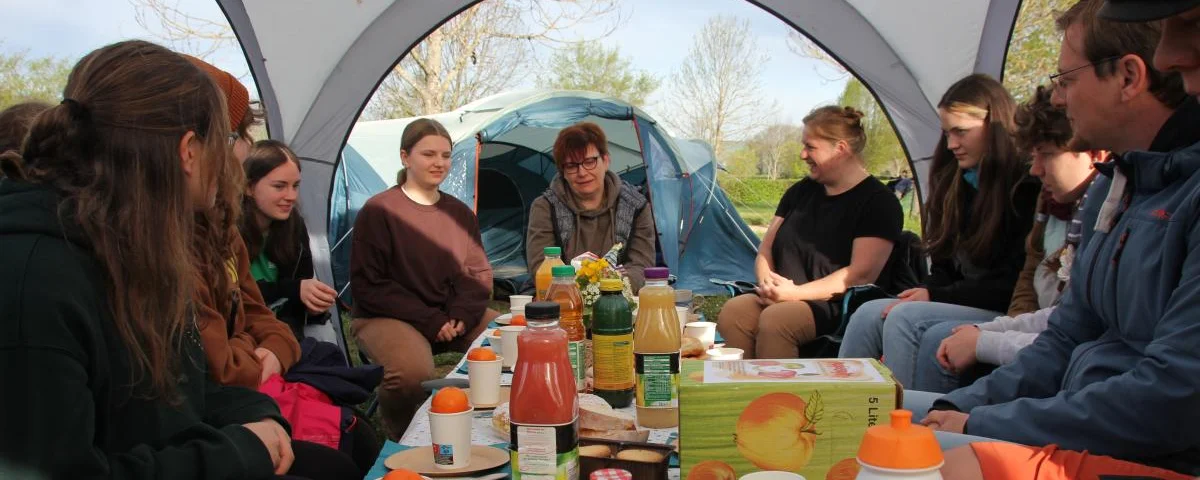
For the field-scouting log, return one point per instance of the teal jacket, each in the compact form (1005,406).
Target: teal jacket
(1117,371)
(67,409)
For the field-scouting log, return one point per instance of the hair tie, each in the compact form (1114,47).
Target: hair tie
(76,109)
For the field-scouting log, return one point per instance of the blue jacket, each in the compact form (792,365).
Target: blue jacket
(1117,372)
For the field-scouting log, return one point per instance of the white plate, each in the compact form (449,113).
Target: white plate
(504,319)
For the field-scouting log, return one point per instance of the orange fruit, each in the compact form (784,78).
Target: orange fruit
(450,400)
(712,470)
(481,354)
(402,474)
(846,469)
(518,320)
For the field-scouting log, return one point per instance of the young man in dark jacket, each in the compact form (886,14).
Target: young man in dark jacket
(1115,374)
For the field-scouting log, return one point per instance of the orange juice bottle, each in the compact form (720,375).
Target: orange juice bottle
(656,343)
(543,406)
(544,275)
(565,292)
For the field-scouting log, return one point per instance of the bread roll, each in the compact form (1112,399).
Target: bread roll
(596,418)
(597,451)
(638,455)
(619,435)
(691,348)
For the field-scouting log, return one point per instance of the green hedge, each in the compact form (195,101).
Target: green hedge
(754,190)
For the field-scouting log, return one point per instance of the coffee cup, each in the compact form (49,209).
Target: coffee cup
(705,332)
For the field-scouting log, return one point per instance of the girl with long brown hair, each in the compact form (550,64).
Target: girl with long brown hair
(277,238)
(100,358)
(979,210)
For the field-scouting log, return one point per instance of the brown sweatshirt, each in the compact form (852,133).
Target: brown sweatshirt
(422,264)
(595,230)
(229,343)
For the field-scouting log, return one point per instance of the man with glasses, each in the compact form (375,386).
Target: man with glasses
(1115,378)
(590,209)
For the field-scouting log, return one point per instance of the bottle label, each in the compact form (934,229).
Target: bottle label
(613,364)
(544,452)
(577,352)
(657,379)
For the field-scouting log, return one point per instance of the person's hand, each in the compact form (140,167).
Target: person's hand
(773,279)
(276,439)
(957,352)
(270,363)
(451,329)
(910,295)
(316,296)
(946,421)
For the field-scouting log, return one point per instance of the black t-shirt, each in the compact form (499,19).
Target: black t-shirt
(817,235)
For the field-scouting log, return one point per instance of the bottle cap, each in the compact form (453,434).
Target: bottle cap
(562,271)
(552,251)
(658,273)
(900,445)
(541,310)
(611,285)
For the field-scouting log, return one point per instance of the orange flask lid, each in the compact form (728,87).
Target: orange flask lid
(900,445)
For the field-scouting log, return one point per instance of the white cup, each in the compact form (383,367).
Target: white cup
(484,379)
(451,434)
(682,314)
(772,475)
(508,342)
(725,353)
(514,311)
(705,332)
(496,342)
(515,301)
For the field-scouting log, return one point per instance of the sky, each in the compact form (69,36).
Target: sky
(656,36)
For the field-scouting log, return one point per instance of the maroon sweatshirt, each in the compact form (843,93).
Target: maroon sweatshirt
(422,264)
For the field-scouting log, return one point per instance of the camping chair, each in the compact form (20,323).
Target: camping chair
(906,268)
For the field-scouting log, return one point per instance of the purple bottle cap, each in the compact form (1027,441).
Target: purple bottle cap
(658,273)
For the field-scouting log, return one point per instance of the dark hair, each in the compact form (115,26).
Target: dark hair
(254,116)
(283,237)
(1038,122)
(836,124)
(1104,39)
(15,122)
(416,131)
(1000,170)
(111,150)
(572,142)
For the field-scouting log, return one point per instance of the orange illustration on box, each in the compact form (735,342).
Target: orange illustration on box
(787,371)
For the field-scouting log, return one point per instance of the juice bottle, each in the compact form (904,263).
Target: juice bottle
(656,342)
(543,405)
(612,345)
(565,292)
(541,280)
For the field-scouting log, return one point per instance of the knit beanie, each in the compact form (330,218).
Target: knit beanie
(236,96)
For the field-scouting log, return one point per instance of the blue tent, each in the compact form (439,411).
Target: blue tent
(501,162)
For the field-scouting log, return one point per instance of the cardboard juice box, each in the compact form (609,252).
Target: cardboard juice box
(803,416)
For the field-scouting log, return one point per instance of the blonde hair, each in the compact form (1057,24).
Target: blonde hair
(838,124)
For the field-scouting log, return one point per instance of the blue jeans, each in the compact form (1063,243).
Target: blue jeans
(898,338)
(919,402)
(929,374)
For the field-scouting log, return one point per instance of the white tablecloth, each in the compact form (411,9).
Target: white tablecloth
(482,432)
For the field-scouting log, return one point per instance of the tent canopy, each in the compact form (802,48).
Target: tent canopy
(501,162)
(317,62)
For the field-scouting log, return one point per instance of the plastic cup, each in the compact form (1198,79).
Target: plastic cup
(772,475)
(451,433)
(725,353)
(515,301)
(484,379)
(508,342)
(705,332)
(514,312)
(684,313)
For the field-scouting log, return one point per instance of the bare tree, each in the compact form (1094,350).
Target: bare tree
(716,91)
(482,51)
(801,45)
(182,31)
(778,147)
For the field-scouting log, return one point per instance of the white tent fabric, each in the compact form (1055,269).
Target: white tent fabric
(316,62)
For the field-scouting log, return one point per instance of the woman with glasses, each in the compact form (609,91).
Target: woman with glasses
(420,278)
(589,209)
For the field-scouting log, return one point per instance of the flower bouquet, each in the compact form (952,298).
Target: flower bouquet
(589,270)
